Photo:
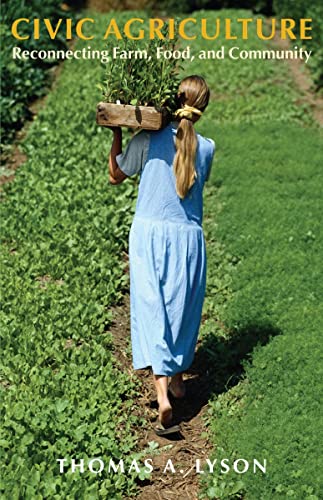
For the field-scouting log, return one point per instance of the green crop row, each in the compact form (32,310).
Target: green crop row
(64,232)
(261,334)
(267,263)
(23,81)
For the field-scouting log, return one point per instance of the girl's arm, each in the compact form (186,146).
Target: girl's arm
(116,176)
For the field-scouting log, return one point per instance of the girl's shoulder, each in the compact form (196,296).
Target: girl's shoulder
(206,149)
(206,141)
(206,145)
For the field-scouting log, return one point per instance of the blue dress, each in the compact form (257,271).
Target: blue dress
(167,259)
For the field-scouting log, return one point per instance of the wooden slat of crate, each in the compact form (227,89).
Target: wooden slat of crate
(124,115)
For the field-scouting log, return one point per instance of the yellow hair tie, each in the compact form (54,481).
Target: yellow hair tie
(187,112)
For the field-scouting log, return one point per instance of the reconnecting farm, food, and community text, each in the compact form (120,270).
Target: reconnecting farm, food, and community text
(187,53)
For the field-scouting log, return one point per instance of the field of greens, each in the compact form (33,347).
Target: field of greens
(64,234)
(21,83)
(263,307)
(64,231)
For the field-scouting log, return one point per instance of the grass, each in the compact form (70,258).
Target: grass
(263,310)
(270,223)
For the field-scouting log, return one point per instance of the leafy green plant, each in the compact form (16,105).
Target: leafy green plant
(23,81)
(64,234)
(146,81)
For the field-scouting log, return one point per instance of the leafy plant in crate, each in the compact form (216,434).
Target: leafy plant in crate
(139,91)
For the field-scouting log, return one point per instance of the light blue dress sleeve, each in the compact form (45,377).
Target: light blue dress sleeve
(212,151)
(132,161)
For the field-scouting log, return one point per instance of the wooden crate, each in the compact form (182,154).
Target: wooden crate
(124,115)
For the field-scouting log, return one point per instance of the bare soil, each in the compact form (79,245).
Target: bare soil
(12,162)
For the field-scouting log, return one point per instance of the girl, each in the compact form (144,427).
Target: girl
(166,242)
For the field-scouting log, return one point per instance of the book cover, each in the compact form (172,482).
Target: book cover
(77,421)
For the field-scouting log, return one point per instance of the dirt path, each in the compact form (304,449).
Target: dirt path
(185,448)
(303,80)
